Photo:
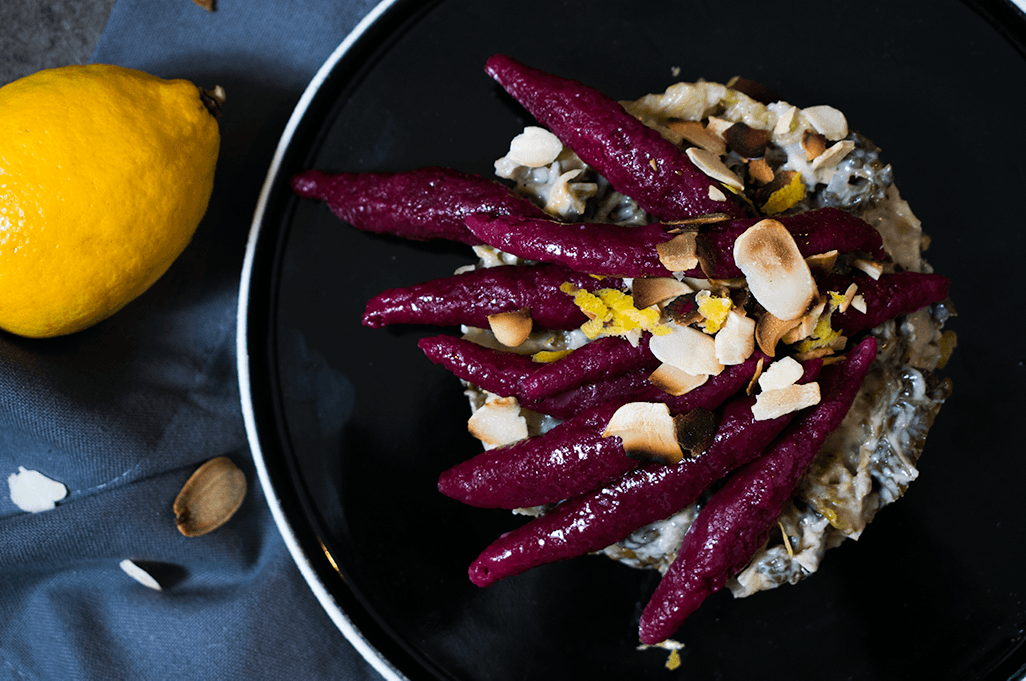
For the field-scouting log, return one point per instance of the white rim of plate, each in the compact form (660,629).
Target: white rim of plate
(320,591)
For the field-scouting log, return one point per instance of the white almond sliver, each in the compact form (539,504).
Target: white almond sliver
(780,374)
(646,428)
(827,121)
(735,342)
(833,155)
(873,269)
(498,422)
(773,403)
(688,349)
(710,164)
(785,121)
(859,303)
(139,575)
(535,147)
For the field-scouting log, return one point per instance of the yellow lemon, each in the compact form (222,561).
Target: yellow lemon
(105,173)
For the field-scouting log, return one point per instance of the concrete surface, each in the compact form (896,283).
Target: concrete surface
(40,34)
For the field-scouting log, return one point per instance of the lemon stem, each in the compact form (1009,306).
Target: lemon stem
(214,100)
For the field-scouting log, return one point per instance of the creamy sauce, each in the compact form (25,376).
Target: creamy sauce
(871,459)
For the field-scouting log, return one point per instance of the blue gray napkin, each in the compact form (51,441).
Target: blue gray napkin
(124,412)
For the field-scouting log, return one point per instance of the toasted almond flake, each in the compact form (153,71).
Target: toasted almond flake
(649,291)
(680,253)
(686,348)
(760,171)
(770,404)
(511,328)
(873,269)
(777,274)
(755,377)
(652,162)
(210,497)
(947,343)
(647,430)
(673,381)
(716,194)
(746,141)
(710,164)
(535,147)
(735,342)
(697,134)
(498,422)
(770,329)
(814,144)
(828,121)
(780,374)
(139,575)
(859,303)
(785,122)
(807,324)
(822,261)
(833,155)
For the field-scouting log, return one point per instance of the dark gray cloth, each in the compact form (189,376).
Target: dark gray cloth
(124,412)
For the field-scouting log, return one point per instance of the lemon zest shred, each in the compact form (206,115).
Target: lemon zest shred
(549,356)
(785,197)
(611,312)
(715,310)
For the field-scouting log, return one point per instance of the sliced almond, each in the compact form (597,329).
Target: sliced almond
(686,348)
(710,164)
(649,291)
(535,147)
(828,121)
(773,403)
(210,497)
(769,330)
(859,303)
(647,431)
(697,134)
(780,374)
(806,324)
(833,155)
(680,253)
(498,422)
(849,295)
(817,353)
(673,381)
(823,261)
(735,342)
(785,122)
(814,144)
(777,274)
(760,171)
(511,328)
(873,269)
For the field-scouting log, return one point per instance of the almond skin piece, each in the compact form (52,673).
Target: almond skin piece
(210,497)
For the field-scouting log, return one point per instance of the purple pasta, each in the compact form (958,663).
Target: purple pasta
(600,359)
(424,204)
(886,298)
(469,297)
(815,231)
(590,522)
(570,459)
(737,519)
(598,248)
(635,159)
(496,371)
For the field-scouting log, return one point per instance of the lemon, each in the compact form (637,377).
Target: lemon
(105,173)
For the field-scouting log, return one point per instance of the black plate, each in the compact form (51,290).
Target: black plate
(351,427)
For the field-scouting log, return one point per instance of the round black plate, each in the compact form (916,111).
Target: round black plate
(351,426)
